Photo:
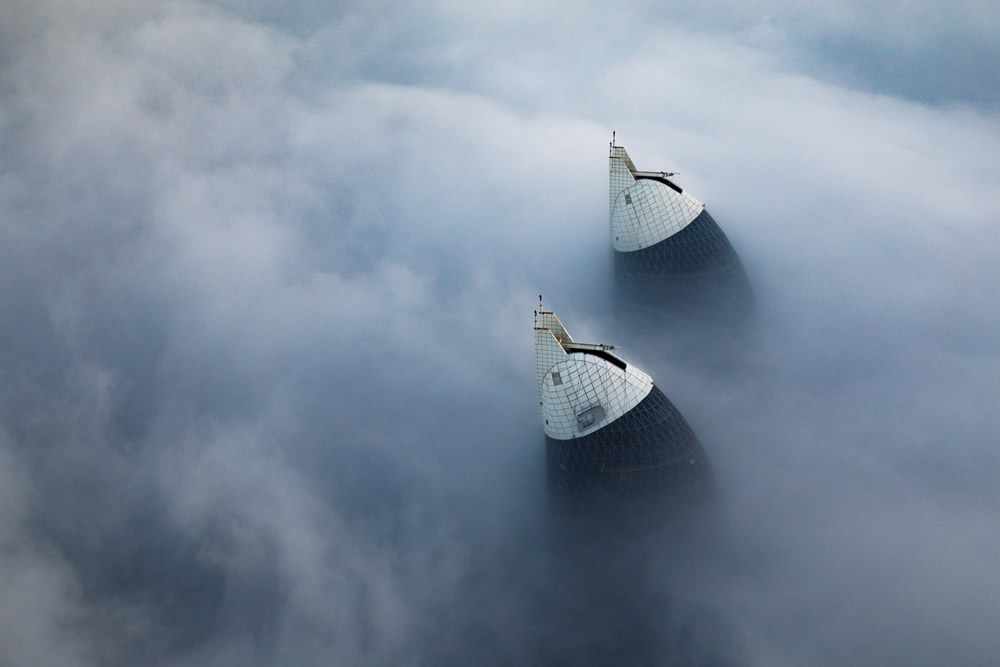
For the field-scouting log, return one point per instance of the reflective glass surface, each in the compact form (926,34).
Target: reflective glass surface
(649,452)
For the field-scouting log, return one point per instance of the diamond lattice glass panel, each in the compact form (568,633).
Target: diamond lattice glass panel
(700,248)
(649,452)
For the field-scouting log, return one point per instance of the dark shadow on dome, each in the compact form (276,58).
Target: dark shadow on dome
(646,457)
(694,273)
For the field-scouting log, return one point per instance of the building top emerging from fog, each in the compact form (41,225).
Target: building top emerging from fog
(668,250)
(581,386)
(611,435)
(646,207)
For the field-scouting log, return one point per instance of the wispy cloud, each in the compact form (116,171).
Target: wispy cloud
(266,367)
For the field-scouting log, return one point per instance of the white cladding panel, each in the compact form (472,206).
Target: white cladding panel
(648,212)
(620,175)
(548,352)
(584,392)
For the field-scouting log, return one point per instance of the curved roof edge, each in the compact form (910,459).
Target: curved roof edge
(644,207)
(581,386)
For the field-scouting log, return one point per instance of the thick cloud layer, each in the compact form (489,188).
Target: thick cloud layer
(267,377)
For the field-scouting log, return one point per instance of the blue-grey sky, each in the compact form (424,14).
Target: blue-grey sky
(266,282)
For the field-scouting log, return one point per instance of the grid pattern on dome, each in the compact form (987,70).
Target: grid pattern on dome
(648,451)
(649,212)
(573,387)
(700,249)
